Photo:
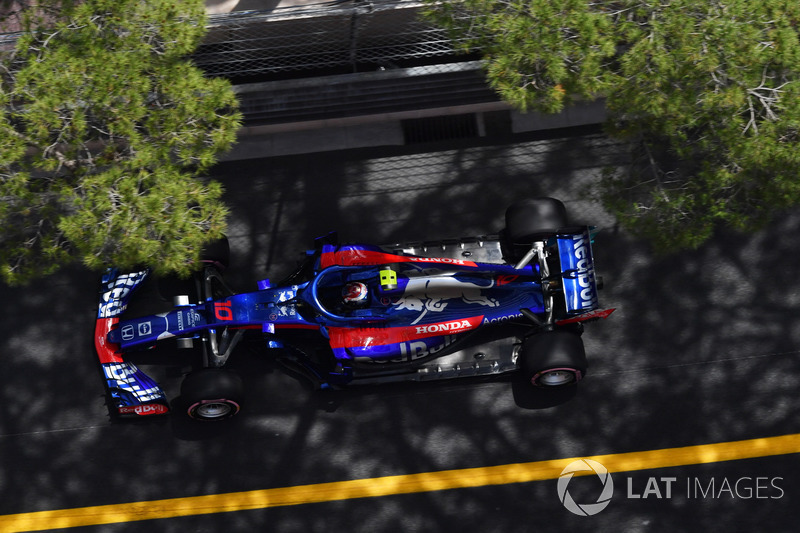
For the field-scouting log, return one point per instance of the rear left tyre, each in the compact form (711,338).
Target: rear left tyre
(553,359)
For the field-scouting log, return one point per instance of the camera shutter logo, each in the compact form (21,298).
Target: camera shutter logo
(585,509)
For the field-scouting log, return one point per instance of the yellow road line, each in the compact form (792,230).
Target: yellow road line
(392,485)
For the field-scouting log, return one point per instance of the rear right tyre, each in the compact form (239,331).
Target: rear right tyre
(531,220)
(534,218)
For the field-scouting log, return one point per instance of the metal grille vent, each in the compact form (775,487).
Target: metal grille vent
(442,128)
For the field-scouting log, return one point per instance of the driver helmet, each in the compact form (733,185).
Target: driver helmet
(355,293)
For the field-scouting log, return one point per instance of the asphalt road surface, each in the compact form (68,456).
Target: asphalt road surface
(703,349)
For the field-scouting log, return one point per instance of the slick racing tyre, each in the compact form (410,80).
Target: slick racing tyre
(553,359)
(531,220)
(217,253)
(535,218)
(212,394)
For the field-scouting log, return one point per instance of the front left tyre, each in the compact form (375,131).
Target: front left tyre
(212,394)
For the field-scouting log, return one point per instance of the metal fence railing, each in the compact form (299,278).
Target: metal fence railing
(341,35)
(338,59)
(352,36)
(366,93)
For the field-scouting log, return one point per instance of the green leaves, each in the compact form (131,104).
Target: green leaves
(105,130)
(705,91)
(107,219)
(710,84)
(539,54)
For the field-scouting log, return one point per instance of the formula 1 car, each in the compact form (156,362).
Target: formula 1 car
(354,313)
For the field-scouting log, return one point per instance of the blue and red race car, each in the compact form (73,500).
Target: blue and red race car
(354,313)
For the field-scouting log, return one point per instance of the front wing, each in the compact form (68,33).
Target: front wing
(130,391)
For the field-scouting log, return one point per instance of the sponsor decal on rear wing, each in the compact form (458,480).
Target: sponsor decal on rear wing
(585,317)
(577,271)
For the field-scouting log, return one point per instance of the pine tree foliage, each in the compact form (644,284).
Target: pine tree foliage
(706,91)
(106,130)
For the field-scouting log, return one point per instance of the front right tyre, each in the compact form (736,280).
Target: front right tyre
(217,253)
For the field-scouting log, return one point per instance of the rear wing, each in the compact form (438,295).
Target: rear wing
(577,272)
(130,391)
